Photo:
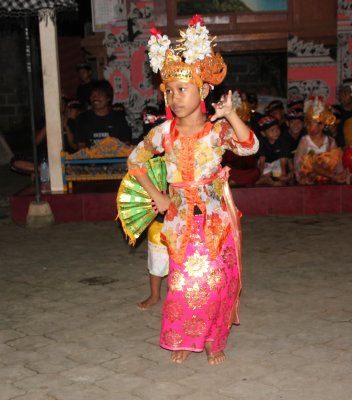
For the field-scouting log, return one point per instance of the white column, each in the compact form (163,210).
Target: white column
(52,94)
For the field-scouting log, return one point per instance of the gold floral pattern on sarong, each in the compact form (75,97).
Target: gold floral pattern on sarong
(194,327)
(195,239)
(197,265)
(172,310)
(176,281)
(196,297)
(226,316)
(171,338)
(217,279)
(229,257)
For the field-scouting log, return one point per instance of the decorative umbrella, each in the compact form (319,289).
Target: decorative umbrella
(24,9)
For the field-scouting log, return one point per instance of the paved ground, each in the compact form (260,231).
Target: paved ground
(70,329)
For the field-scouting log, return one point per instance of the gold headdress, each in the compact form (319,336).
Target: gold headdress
(192,60)
(241,105)
(316,110)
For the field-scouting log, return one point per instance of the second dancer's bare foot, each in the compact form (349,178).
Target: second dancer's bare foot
(148,303)
(179,356)
(216,357)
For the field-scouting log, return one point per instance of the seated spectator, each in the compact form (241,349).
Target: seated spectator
(273,154)
(295,129)
(318,159)
(86,82)
(73,109)
(295,102)
(277,110)
(344,130)
(151,117)
(241,105)
(332,130)
(70,109)
(252,99)
(101,121)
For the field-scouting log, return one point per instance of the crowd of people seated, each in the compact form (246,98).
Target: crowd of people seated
(301,142)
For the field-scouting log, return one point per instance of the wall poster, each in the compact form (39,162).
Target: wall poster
(106,12)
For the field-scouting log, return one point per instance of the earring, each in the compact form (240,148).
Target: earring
(202,102)
(168,111)
(202,107)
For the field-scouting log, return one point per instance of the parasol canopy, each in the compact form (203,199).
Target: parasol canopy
(22,8)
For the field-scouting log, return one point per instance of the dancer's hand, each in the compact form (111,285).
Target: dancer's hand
(223,107)
(161,203)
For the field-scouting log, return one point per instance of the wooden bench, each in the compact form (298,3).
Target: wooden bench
(107,160)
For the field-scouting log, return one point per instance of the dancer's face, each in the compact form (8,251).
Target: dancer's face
(183,98)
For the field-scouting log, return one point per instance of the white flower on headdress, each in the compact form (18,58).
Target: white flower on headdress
(317,106)
(157,46)
(236,100)
(195,41)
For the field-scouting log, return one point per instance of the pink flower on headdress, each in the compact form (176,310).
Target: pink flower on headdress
(154,32)
(195,19)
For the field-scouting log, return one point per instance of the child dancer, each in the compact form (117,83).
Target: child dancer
(200,224)
(318,159)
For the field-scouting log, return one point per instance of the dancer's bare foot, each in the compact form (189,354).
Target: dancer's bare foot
(216,357)
(179,356)
(148,303)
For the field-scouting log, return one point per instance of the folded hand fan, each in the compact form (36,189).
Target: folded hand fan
(134,205)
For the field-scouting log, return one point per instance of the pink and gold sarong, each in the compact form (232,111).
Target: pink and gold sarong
(201,296)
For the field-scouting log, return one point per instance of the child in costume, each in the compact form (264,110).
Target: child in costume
(200,227)
(318,159)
